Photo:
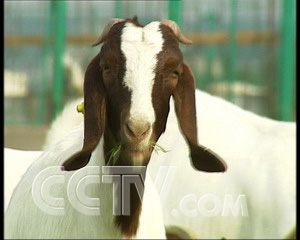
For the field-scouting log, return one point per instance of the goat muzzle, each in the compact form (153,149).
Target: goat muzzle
(137,132)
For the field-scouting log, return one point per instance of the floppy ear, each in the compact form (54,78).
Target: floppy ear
(202,158)
(94,115)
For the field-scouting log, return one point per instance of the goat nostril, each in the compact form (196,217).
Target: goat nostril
(130,132)
(137,130)
(146,131)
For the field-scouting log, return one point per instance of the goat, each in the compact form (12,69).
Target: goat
(15,165)
(127,89)
(261,154)
(60,126)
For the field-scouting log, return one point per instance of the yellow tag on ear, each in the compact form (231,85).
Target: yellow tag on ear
(80,107)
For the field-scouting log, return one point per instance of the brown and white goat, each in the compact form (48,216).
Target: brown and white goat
(127,90)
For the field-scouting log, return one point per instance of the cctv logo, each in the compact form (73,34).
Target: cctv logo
(87,186)
(52,181)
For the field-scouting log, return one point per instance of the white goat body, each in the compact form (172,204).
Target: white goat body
(64,123)
(260,154)
(15,164)
(24,219)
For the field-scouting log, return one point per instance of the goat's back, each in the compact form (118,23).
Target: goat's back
(260,154)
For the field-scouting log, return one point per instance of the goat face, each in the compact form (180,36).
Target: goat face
(127,90)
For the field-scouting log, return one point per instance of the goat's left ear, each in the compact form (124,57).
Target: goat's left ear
(202,158)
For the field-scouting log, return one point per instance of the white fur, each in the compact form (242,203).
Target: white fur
(15,164)
(61,127)
(140,46)
(261,157)
(260,154)
(23,219)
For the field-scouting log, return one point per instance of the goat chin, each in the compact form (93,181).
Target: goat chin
(260,154)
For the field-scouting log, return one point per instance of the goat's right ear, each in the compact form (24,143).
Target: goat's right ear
(94,115)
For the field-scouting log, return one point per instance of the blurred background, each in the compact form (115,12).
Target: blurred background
(243,51)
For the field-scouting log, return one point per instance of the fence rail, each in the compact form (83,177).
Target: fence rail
(244,37)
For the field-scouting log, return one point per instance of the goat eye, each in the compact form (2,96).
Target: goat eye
(105,69)
(175,74)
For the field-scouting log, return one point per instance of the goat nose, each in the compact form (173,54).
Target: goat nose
(137,130)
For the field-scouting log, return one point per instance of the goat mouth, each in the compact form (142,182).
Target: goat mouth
(137,156)
(135,146)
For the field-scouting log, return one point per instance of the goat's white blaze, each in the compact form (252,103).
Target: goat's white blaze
(140,46)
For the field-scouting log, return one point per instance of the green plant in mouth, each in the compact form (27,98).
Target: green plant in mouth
(158,147)
(114,155)
(115,152)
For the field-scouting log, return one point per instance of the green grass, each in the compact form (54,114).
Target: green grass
(116,151)
(114,155)
(158,147)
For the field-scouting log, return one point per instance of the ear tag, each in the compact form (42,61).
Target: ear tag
(80,107)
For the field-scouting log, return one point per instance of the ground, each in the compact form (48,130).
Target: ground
(25,138)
